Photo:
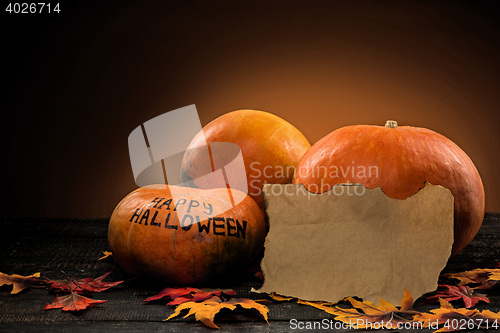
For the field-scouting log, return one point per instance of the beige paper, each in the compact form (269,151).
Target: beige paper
(353,241)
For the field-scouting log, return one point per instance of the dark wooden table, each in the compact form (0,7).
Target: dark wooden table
(74,245)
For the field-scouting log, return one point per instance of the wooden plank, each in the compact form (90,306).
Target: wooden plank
(74,245)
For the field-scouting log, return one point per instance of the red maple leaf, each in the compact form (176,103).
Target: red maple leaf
(85,285)
(73,302)
(183,295)
(453,293)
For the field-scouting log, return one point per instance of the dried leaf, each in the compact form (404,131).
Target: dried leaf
(495,275)
(172,293)
(452,293)
(180,300)
(279,298)
(259,275)
(324,306)
(205,311)
(488,284)
(369,315)
(19,282)
(207,293)
(452,318)
(182,295)
(407,302)
(486,277)
(86,285)
(107,254)
(73,302)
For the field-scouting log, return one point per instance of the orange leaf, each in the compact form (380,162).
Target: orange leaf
(72,302)
(19,282)
(107,254)
(205,311)
(407,302)
(494,276)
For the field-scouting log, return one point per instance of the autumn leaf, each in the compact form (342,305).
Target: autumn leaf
(485,277)
(452,318)
(207,293)
(73,302)
(107,254)
(85,285)
(183,295)
(488,284)
(205,311)
(172,293)
(19,282)
(369,315)
(322,306)
(259,276)
(452,293)
(279,298)
(493,280)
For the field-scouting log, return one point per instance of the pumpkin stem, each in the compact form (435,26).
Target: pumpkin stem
(391,124)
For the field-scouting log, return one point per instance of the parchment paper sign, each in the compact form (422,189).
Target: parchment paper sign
(353,241)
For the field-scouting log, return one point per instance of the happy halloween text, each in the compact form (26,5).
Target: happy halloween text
(220,225)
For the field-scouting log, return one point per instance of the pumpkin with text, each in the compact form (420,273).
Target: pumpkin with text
(270,146)
(183,235)
(399,159)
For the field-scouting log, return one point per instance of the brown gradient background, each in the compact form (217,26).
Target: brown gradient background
(76,85)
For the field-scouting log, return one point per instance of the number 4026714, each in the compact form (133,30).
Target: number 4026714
(32,8)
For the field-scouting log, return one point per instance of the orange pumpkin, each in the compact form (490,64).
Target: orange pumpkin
(186,236)
(399,160)
(271,148)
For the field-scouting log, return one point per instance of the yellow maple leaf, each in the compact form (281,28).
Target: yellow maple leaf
(18,282)
(452,318)
(486,277)
(495,275)
(205,311)
(370,315)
